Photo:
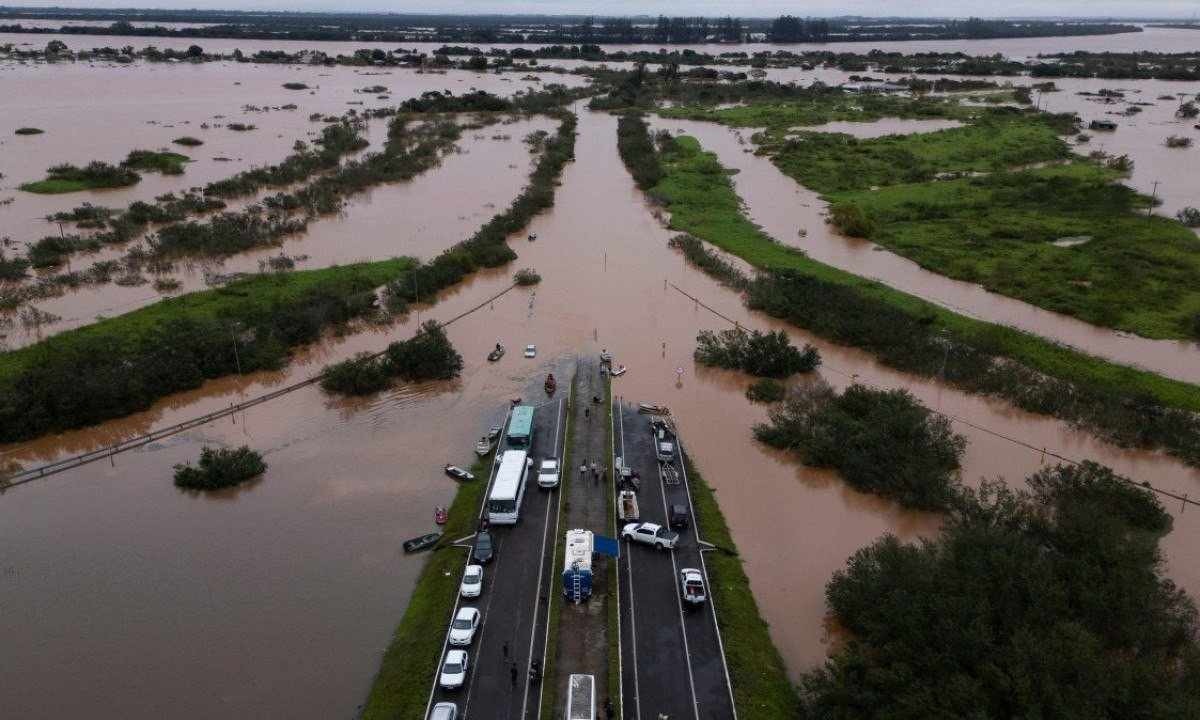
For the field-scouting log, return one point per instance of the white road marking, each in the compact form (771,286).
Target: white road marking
(687,653)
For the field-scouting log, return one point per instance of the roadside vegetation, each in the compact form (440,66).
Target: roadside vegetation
(220,468)
(121,365)
(1125,406)
(761,687)
(768,354)
(1046,602)
(882,442)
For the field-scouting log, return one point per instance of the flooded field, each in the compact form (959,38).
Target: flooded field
(279,598)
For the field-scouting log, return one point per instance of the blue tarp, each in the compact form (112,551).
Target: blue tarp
(606,546)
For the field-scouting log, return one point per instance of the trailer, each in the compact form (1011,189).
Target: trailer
(577,565)
(627,505)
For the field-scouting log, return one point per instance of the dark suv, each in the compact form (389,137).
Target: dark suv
(485,548)
(679,519)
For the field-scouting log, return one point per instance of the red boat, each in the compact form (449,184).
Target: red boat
(440,516)
(551,384)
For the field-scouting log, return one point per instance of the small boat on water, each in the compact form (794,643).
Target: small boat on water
(494,432)
(484,446)
(618,371)
(440,515)
(458,473)
(551,384)
(497,353)
(651,409)
(532,237)
(424,542)
(606,357)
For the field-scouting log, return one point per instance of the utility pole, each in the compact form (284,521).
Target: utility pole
(1153,197)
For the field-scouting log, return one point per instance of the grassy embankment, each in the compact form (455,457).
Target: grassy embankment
(1131,273)
(820,108)
(554,613)
(1122,404)
(401,688)
(761,687)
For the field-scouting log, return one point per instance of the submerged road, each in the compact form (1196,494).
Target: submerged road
(514,601)
(673,659)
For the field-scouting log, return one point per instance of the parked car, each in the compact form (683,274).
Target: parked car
(530,351)
(454,670)
(462,629)
(651,534)
(548,473)
(472,582)
(679,519)
(444,711)
(691,586)
(485,548)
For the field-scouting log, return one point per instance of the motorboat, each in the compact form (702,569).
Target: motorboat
(551,385)
(651,409)
(458,473)
(532,237)
(494,432)
(618,371)
(423,542)
(484,446)
(606,357)
(440,515)
(496,354)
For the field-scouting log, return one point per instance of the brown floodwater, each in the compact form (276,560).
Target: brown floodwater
(278,599)
(784,208)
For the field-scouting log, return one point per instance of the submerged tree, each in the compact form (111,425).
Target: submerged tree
(768,354)
(219,468)
(429,355)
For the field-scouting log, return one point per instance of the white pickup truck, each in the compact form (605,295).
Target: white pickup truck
(651,534)
(691,586)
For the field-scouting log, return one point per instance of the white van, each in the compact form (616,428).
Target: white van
(581,697)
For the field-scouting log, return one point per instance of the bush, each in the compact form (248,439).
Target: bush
(295,86)
(240,127)
(758,353)
(167,163)
(1178,141)
(527,276)
(220,468)
(851,220)
(880,441)
(360,375)
(637,151)
(429,355)
(28,131)
(95,175)
(1049,602)
(188,141)
(12,269)
(1189,216)
(710,262)
(766,390)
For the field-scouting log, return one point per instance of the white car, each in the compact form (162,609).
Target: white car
(548,473)
(530,351)
(444,711)
(650,534)
(454,670)
(462,630)
(691,586)
(472,582)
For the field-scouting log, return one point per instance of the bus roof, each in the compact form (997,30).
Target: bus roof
(508,477)
(521,422)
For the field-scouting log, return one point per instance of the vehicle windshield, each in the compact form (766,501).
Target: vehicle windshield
(472,576)
(462,624)
(502,506)
(453,668)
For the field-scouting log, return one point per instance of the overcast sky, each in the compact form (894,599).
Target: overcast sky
(744,8)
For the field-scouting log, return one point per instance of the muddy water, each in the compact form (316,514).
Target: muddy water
(783,208)
(407,218)
(279,599)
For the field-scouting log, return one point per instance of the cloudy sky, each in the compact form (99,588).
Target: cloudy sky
(745,8)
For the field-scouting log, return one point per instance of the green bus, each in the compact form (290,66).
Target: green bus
(520,427)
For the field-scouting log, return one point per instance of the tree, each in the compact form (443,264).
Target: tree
(429,355)
(54,47)
(195,51)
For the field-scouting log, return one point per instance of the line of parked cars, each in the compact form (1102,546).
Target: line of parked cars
(463,628)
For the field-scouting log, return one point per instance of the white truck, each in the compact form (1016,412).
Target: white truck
(691,586)
(627,505)
(651,534)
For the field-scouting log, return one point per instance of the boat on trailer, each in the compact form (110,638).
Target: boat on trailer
(652,409)
(423,542)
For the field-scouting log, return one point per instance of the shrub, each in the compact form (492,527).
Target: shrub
(758,353)
(429,355)
(188,141)
(1178,141)
(527,276)
(295,86)
(95,175)
(220,468)
(766,390)
(637,151)
(1189,216)
(851,220)
(880,441)
(710,262)
(167,163)
(28,131)
(1060,586)
(360,375)
(240,127)
(12,269)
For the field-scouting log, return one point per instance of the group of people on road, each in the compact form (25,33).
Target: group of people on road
(597,471)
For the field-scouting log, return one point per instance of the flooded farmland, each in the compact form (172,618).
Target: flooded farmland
(277,599)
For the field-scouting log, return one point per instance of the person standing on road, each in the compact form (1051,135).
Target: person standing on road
(512,673)
(595,474)
(608,708)
(583,469)
(504,649)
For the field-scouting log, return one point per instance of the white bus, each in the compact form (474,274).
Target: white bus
(504,502)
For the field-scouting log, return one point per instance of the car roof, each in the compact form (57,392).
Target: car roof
(443,710)
(456,656)
(549,460)
(473,570)
(466,612)
(689,571)
(651,526)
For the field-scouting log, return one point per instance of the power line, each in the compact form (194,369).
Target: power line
(23,476)
(1184,499)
